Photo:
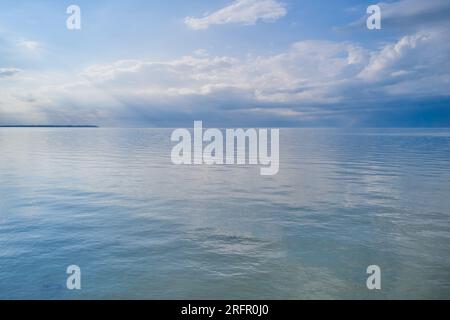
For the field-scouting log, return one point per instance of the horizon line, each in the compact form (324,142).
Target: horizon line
(49,126)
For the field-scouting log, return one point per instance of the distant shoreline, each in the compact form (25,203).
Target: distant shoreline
(49,126)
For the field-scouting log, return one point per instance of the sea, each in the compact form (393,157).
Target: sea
(110,201)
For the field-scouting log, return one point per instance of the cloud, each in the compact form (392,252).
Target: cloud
(295,75)
(30,45)
(415,65)
(416,11)
(411,14)
(8,72)
(247,12)
(309,81)
(309,72)
(399,59)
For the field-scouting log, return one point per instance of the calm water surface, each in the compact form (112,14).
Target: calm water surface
(110,201)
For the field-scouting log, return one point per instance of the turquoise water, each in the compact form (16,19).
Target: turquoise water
(111,202)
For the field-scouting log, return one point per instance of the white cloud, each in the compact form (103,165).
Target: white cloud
(386,62)
(302,73)
(308,79)
(30,45)
(8,72)
(416,65)
(246,12)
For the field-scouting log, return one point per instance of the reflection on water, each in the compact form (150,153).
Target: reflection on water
(110,201)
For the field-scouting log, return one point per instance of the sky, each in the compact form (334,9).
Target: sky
(250,63)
